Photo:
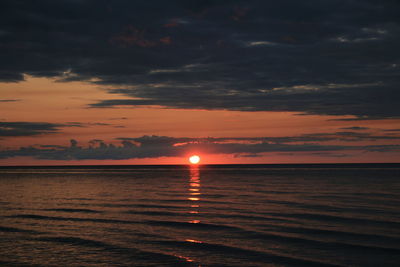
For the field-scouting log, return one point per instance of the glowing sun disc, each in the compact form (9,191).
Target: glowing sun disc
(194,159)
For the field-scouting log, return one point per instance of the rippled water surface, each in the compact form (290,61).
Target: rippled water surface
(200,216)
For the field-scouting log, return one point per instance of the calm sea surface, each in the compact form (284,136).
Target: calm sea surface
(200,216)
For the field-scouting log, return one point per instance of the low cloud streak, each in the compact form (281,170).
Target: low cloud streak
(164,146)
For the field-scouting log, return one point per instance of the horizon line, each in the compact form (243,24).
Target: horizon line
(225,164)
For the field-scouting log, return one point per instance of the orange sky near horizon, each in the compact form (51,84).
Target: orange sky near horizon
(46,100)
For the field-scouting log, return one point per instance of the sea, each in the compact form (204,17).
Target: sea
(205,215)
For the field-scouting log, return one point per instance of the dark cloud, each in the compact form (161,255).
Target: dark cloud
(152,150)
(85,124)
(164,146)
(357,136)
(347,136)
(331,155)
(247,156)
(8,100)
(312,57)
(27,128)
(12,129)
(392,130)
(53,146)
(382,148)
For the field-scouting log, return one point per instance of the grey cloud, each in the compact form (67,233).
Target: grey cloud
(85,124)
(53,146)
(392,130)
(27,128)
(8,100)
(128,151)
(312,57)
(247,156)
(331,155)
(357,136)
(164,146)
(314,137)
(383,148)
(361,118)
(10,129)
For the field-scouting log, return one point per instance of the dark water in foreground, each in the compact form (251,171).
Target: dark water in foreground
(207,216)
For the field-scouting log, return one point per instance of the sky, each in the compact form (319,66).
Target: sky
(153,82)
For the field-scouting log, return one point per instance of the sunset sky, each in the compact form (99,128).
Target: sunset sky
(153,82)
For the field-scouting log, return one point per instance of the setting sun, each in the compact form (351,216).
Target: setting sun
(194,159)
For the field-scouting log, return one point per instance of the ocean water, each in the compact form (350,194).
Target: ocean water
(295,215)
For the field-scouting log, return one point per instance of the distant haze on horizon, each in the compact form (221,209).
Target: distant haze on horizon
(153,82)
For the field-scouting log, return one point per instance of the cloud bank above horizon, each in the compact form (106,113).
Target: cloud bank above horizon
(164,146)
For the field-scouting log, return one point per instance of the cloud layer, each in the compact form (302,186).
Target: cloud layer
(19,128)
(164,146)
(27,128)
(313,57)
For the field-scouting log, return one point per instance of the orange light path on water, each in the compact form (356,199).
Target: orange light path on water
(194,189)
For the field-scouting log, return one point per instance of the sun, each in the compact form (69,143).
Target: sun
(194,159)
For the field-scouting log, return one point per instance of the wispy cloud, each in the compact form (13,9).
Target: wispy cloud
(14,129)
(27,128)
(8,100)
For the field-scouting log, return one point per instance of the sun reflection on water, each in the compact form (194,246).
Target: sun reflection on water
(194,192)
